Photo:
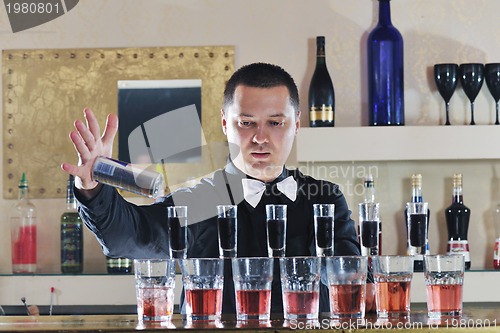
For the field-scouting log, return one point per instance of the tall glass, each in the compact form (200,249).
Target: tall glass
(347,284)
(227,226)
(154,285)
(252,284)
(392,275)
(276,230)
(300,279)
(471,78)
(323,228)
(444,278)
(177,231)
(203,281)
(369,222)
(446,77)
(416,219)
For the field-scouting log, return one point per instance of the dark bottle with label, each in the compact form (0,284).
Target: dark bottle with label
(457,222)
(71,235)
(385,71)
(119,265)
(321,92)
(416,196)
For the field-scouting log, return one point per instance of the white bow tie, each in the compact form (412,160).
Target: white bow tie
(253,189)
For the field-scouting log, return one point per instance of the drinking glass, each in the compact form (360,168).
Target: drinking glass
(227,226)
(444,278)
(369,222)
(276,230)
(300,279)
(471,79)
(445,76)
(177,231)
(154,286)
(416,220)
(347,285)
(323,228)
(252,284)
(392,275)
(492,78)
(203,281)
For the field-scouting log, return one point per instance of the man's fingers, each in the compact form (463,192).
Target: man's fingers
(111,128)
(80,146)
(92,124)
(70,168)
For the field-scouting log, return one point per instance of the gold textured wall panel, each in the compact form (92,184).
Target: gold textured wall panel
(44,91)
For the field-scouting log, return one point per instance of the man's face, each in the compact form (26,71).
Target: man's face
(260,126)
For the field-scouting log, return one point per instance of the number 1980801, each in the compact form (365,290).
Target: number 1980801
(33,8)
(469,323)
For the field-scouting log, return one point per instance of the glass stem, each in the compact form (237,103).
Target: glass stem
(472,114)
(497,122)
(447,113)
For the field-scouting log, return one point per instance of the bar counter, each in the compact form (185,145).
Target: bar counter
(477,317)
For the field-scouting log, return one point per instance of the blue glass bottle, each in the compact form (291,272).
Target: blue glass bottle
(385,71)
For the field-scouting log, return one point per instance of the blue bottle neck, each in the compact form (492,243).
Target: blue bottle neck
(384,12)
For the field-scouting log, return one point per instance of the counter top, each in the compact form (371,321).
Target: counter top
(477,317)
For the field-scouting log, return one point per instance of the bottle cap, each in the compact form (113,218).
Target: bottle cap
(416,180)
(369,181)
(457,179)
(23,182)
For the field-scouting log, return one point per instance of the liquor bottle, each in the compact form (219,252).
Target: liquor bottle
(416,196)
(23,232)
(119,265)
(457,222)
(71,234)
(321,92)
(385,71)
(128,177)
(369,197)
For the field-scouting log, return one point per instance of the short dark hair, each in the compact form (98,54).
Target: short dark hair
(261,75)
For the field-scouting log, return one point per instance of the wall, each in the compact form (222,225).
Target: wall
(283,32)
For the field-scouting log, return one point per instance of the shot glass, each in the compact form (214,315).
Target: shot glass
(177,231)
(276,230)
(252,284)
(154,286)
(444,278)
(392,275)
(347,285)
(416,219)
(323,228)
(227,226)
(203,280)
(300,279)
(369,224)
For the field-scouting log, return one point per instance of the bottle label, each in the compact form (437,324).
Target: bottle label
(459,247)
(323,113)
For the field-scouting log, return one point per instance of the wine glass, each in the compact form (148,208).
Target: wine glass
(472,78)
(492,78)
(445,76)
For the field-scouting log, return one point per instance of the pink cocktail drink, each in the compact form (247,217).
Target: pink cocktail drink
(444,300)
(155,304)
(347,300)
(253,304)
(204,304)
(301,304)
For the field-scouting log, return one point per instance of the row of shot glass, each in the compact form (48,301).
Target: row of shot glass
(227,226)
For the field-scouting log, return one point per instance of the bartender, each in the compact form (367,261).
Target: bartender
(260,117)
